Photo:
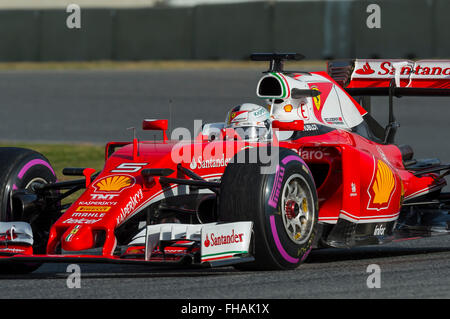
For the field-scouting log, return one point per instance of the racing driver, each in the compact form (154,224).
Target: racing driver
(250,121)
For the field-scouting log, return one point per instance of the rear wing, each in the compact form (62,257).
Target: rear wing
(392,77)
(363,78)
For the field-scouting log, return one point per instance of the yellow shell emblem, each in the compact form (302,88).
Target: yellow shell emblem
(114,183)
(288,108)
(384,183)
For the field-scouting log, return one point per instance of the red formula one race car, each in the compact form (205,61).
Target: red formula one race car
(258,191)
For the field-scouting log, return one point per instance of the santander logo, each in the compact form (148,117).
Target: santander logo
(200,162)
(376,68)
(207,243)
(365,70)
(218,240)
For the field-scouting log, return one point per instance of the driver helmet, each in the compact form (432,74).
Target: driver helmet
(251,121)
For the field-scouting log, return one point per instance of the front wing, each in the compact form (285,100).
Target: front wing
(204,245)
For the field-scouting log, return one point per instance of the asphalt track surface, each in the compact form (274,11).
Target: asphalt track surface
(98,106)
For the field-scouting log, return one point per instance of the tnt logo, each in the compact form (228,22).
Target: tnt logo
(103,196)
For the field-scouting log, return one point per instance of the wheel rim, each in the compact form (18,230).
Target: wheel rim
(36,180)
(36,232)
(297,209)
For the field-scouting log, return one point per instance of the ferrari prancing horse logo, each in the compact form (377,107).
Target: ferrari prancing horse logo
(319,101)
(316,99)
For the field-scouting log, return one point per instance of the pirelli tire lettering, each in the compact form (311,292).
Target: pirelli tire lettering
(282,205)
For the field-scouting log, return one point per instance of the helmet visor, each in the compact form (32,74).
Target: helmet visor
(252,133)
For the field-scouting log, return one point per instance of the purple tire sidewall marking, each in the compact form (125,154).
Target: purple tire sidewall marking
(283,252)
(273,226)
(290,158)
(33,163)
(306,254)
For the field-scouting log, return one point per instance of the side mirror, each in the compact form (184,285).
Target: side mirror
(299,93)
(156,125)
(297,125)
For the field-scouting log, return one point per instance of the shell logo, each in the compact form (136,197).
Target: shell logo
(382,187)
(115,183)
(384,183)
(288,108)
(402,194)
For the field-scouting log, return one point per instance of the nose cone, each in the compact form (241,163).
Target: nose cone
(78,237)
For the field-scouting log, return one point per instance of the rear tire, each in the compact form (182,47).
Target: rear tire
(282,206)
(19,169)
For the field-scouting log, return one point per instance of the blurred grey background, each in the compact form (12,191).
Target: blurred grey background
(33,30)
(97,105)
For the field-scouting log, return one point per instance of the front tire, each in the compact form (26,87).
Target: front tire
(19,169)
(282,205)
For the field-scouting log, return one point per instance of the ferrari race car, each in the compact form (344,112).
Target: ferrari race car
(326,175)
